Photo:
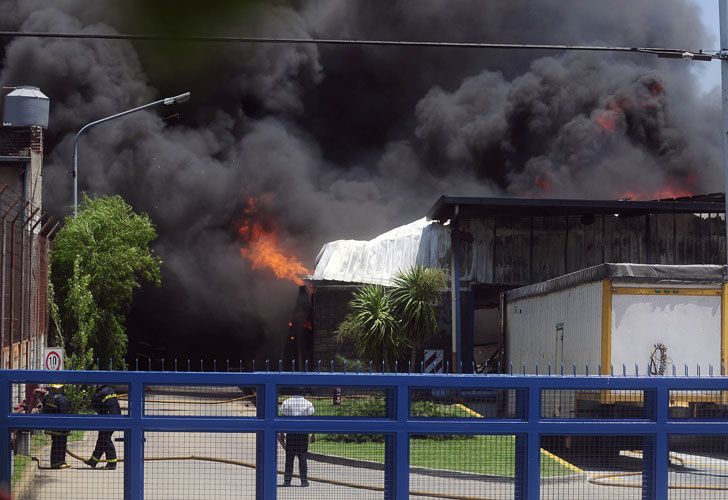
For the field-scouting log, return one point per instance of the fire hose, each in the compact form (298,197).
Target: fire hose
(193,401)
(599,480)
(124,397)
(333,482)
(603,480)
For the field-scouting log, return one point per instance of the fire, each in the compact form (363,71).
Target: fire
(607,121)
(608,118)
(544,182)
(675,186)
(263,250)
(664,193)
(617,108)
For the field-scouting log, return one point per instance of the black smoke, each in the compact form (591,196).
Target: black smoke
(346,142)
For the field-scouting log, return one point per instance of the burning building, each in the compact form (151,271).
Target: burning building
(491,245)
(350,149)
(25,231)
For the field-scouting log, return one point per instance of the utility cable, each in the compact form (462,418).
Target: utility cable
(698,55)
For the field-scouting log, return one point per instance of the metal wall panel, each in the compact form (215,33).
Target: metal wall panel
(519,250)
(534,327)
(689,326)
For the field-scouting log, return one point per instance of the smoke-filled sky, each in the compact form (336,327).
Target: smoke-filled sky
(346,142)
(709,74)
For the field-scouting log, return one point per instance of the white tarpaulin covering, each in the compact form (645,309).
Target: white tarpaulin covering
(424,243)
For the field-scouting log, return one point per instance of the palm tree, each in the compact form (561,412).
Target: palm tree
(384,323)
(416,296)
(372,327)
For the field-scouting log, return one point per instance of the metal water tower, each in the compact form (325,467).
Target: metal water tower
(25,112)
(25,106)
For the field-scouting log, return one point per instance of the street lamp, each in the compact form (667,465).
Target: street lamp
(167,102)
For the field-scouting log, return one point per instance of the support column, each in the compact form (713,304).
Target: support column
(656,475)
(455,289)
(528,449)
(468,333)
(134,445)
(396,476)
(723,4)
(266,470)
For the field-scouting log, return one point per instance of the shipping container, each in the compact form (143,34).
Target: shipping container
(621,318)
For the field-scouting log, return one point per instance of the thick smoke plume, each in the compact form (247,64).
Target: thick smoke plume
(345,142)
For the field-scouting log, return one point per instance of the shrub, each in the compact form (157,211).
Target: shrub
(376,407)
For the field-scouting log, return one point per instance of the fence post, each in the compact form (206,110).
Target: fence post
(657,450)
(134,444)
(266,467)
(7,455)
(396,446)
(528,446)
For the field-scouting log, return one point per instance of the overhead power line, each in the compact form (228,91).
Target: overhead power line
(699,55)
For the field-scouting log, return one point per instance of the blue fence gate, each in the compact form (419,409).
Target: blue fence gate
(364,435)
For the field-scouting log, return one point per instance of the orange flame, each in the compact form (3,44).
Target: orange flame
(615,110)
(263,250)
(608,118)
(674,187)
(544,182)
(607,121)
(664,193)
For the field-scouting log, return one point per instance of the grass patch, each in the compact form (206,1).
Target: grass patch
(19,465)
(76,436)
(21,462)
(491,455)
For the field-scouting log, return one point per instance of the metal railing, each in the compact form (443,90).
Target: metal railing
(655,414)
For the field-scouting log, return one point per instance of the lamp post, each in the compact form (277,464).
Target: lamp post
(167,102)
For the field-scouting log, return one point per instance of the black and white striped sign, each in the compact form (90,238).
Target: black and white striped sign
(434,360)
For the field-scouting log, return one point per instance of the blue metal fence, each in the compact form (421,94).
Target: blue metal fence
(528,426)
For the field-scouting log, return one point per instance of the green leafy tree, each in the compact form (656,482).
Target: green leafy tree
(55,336)
(383,323)
(416,296)
(99,259)
(80,305)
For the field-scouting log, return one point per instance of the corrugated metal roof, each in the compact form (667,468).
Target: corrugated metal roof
(28,91)
(478,208)
(377,261)
(625,273)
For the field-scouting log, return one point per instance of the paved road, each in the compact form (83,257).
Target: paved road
(200,479)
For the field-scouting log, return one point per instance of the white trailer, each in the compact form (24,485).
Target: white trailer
(621,318)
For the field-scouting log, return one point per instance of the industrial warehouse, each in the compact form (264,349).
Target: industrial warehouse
(506,244)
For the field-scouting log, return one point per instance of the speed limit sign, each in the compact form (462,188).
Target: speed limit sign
(53,358)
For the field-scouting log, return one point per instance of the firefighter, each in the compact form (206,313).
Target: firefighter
(55,402)
(104,402)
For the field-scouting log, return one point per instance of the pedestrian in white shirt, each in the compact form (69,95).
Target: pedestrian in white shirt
(296,444)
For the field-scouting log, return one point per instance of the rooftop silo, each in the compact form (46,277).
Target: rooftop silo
(26,106)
